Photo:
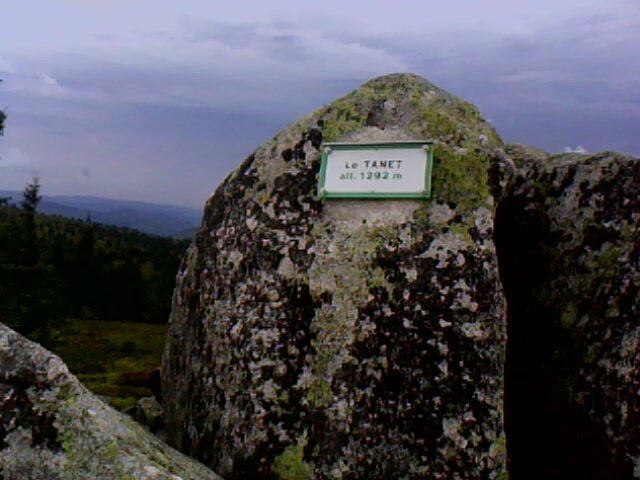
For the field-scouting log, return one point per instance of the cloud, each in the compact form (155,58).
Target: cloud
(50,81)
(578,149)
(5,68)
(581,63)
(181,104)
(50,87)
(14,159)
(206,63)
(34,84)
(535,76)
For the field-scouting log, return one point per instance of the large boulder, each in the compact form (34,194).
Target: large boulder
(52,428)
(345,339)
(569,248)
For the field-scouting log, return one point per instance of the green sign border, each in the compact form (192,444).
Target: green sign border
(424,194)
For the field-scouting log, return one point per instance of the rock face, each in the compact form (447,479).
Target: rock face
(345,339)
(569,247)
(52,428)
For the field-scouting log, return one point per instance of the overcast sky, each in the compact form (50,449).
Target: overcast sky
(158,100)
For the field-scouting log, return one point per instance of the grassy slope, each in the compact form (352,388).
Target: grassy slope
(112,359)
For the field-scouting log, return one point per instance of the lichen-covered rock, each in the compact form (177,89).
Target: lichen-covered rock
(52,428)
(569,247)
(148,412)
(345,339)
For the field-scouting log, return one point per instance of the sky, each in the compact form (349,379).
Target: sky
(159,100)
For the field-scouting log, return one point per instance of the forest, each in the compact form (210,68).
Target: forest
(97,295)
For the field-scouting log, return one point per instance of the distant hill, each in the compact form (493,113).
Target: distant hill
(157,219)
(185,234)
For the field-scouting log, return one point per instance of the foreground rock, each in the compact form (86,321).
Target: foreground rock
(52,428)
(569,248)
(351,339)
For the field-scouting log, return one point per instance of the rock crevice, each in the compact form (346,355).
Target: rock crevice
(567,234)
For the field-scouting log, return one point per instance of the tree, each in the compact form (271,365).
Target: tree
(31,198)
(29,301)
(3,117)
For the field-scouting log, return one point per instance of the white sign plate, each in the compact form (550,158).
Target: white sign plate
(376,170)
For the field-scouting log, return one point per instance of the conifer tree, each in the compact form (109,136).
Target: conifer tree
(31,198)
(3,117)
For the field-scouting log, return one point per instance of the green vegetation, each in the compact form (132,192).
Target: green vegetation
(112,358)
(99,296)
(53,268)
(460,178)
(346,115)
(290,465)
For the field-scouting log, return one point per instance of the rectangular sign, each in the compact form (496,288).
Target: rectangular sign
(376,170)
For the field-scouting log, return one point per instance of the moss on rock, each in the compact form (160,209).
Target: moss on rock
(290,464)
